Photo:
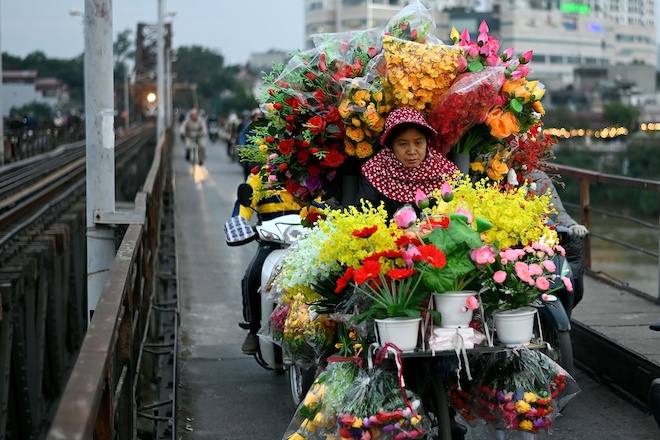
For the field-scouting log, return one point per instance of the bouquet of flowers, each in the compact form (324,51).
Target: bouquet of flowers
(519,276)
(316,416)
(518,216)
(363,109)
(307,336)
(418,74)
(519,389)
(300,142)
(374,408)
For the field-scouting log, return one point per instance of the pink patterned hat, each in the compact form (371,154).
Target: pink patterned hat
(406,116)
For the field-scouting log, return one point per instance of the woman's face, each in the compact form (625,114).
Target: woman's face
(410,147)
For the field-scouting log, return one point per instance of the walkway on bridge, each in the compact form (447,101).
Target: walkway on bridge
(224,393)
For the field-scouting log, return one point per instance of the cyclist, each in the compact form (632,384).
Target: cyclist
(194,131)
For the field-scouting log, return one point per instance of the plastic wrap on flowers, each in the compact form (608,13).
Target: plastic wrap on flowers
(307,336)
(412,23)
(521,389)
(300,146)
(374,408)
(418,74)
(276,323)
(363,109)
(316,415)
(465,104)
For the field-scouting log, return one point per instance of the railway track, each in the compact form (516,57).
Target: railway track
(39,189)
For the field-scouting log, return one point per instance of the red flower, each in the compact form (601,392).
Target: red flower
(344,279)
(315,124)
(286,146)
(310,76)
(444,223)
(282,167)
(391,254)
(401,273)
(303,156)
(313,169)
(432,255)
(332,160)
(255,170)
(368,271)
(270,139)
(405,241)
(365,232)
(277,106)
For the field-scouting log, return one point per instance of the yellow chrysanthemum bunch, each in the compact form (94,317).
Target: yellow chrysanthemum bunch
(304,336)
(342,246)
(363,108)
(418,74)
(518,215)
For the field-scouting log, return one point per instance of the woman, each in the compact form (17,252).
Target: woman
(407,162)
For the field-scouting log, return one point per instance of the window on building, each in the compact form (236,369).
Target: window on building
(539,58)
(353,2)
(573,59)
(556,59)
(590,60)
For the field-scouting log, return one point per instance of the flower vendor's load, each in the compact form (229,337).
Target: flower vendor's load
(519,389)
(349,402)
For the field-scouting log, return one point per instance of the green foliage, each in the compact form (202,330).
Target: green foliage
(619,114)
(206,68)
(40,110)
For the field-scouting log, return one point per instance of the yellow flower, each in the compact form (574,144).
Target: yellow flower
(538,107)
(345,108)
(497,169)
(522,407)
(354,134)
(529,397)
(477,166)
(363,150)
(296,436)
(526,425)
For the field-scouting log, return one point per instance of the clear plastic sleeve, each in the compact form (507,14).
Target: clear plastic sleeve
(465,104)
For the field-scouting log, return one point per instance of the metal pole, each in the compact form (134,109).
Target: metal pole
(2,112)
(127,106)
(161,102)
(100,144)
(168,88)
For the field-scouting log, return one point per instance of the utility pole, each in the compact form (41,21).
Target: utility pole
(2,116)
(160,59)
(127,106)
(100,145)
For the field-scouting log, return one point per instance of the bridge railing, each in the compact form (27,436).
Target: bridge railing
(103,395)
(586,209)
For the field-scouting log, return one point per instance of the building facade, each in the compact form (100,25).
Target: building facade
(564,35)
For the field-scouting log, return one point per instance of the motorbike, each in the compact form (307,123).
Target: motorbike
(278,233)
(555,315)
(214,131)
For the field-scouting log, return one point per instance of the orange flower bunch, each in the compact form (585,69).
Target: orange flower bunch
(418,74)
(522,99)
(363,109)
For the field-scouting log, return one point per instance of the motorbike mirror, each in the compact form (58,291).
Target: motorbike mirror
(245,194)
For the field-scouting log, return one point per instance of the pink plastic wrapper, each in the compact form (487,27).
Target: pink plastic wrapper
(465,104)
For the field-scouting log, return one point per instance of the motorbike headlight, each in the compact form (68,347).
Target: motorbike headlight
(293,233)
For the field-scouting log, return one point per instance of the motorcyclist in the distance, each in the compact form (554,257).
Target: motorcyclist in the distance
(194,130)
(275,205)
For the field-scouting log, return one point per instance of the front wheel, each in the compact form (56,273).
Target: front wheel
(428,384)
(301,380)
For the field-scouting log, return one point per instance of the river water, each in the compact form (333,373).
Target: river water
(634,267)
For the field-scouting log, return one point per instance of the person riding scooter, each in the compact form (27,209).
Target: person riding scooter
(276,205)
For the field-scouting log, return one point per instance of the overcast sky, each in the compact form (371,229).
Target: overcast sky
(234,28)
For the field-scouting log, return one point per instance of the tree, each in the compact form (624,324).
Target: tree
(622,115)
